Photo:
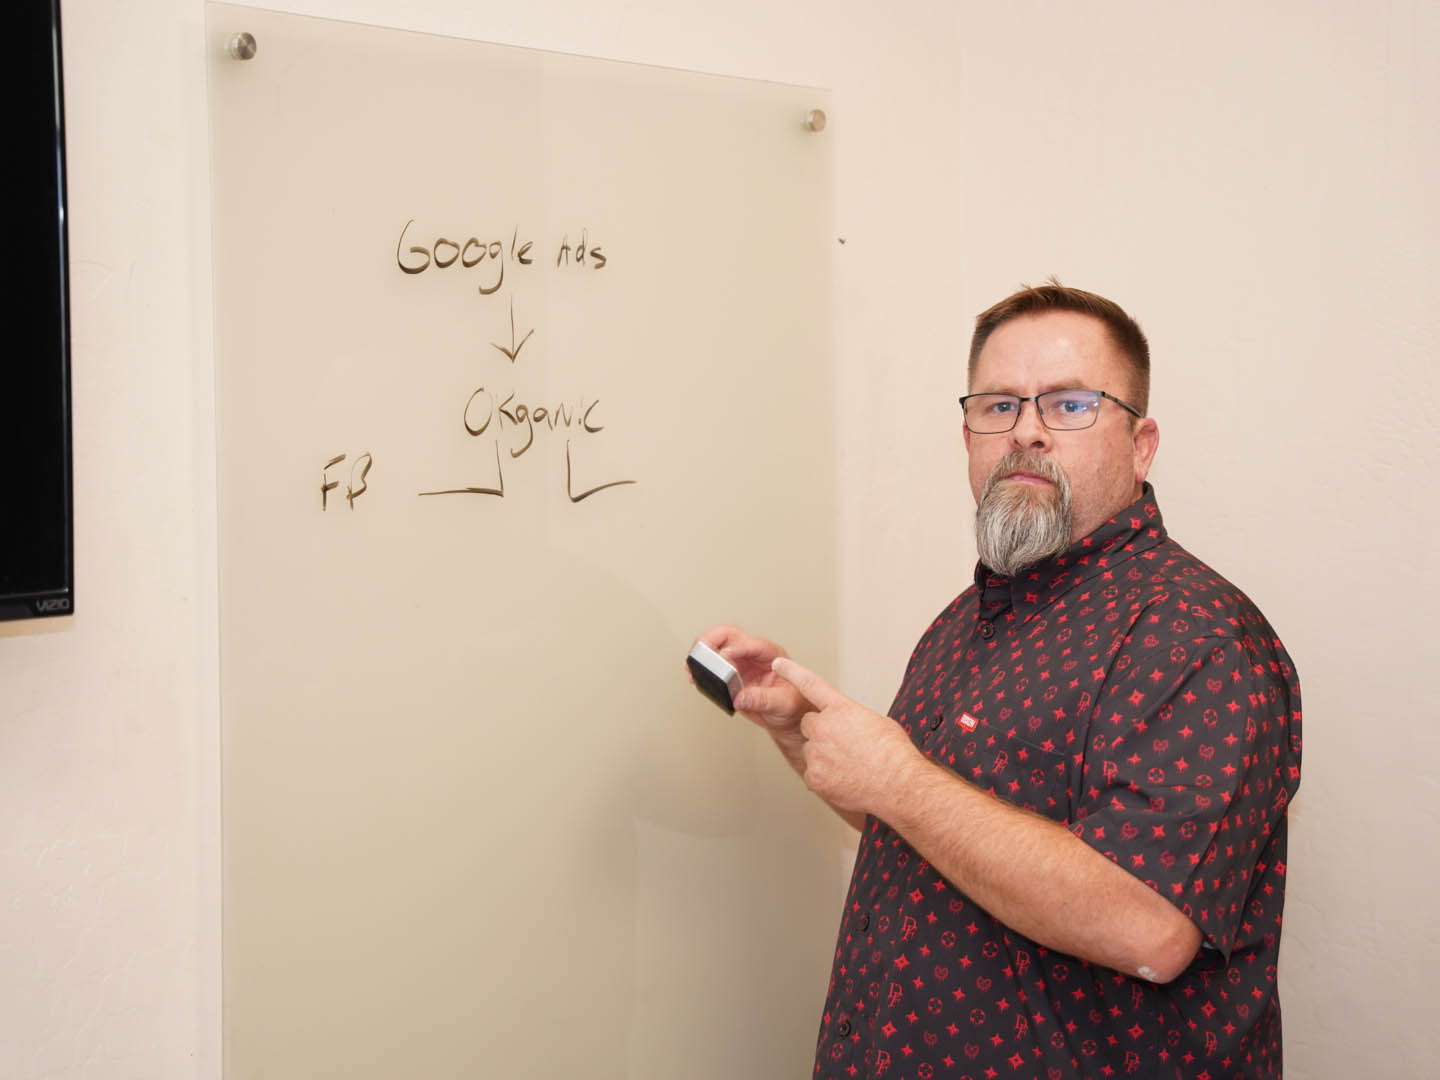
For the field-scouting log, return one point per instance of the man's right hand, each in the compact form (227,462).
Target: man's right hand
(766,699)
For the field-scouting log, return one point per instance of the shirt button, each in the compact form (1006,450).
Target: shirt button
(987,629)
(844,1027)
(936,720)
(865,922)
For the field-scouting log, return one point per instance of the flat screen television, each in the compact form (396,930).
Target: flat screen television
(37,566)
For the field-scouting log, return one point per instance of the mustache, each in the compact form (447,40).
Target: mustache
(1025,461)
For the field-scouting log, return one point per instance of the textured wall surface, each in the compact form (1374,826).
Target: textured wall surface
(1254,182)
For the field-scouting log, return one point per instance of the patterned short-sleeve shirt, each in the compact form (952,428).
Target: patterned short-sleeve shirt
(1128,691)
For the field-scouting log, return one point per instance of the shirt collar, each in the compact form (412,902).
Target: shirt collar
(1129,534)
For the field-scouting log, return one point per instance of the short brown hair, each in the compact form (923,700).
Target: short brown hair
(1124,331)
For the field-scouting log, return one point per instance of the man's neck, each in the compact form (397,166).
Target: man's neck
(1084,529)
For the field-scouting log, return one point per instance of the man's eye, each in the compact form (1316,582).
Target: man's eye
(1002,407)
(1072,404)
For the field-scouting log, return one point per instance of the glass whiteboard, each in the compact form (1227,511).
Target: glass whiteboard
(522,381)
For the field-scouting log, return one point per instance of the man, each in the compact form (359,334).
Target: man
(1072,860)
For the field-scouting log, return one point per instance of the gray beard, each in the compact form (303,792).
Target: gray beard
(1017,526)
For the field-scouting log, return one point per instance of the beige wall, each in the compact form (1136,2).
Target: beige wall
(1254,180)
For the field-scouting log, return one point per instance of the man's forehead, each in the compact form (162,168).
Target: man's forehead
(1060,348)
(1069,331)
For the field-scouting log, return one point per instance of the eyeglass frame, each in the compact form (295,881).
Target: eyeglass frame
(1020,408)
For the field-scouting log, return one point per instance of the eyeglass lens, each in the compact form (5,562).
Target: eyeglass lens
(1062,410)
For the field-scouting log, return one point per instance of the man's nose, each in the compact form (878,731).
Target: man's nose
(1029,430)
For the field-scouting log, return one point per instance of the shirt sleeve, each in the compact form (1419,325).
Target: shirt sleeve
(1189,770)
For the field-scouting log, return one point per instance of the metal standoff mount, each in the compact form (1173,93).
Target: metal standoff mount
(241,46)
(815,119)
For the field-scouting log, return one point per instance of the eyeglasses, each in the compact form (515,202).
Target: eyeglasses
(1059,410)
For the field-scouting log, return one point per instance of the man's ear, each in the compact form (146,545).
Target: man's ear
(965,432)
(1146,440)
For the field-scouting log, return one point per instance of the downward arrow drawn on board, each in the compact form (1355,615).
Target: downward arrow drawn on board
(514,350)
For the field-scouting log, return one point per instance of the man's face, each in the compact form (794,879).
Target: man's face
(1106,464)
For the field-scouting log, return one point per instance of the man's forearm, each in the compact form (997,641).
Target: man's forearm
(1033,875)
(1025,870)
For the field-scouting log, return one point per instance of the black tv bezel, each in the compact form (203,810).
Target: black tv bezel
(57,598)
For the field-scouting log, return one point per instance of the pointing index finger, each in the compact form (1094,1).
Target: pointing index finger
(815,689)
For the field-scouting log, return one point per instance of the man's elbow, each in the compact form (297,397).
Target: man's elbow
(1171,948)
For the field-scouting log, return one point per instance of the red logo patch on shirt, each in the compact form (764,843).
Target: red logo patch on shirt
(968,722)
